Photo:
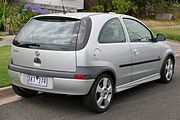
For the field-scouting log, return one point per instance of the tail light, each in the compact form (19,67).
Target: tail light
(79,76)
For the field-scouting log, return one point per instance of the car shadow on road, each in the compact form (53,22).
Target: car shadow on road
(73,104)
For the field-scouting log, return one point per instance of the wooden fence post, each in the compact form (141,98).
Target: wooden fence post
(8,25)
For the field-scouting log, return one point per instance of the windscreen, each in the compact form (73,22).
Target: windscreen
(50,33)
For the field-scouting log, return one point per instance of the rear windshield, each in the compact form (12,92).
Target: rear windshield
(50,33)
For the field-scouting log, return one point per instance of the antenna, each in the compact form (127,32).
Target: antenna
(64,11)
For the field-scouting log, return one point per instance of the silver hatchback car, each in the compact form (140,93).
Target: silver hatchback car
(89,54)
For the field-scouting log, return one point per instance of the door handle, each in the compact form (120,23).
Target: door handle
(136,52)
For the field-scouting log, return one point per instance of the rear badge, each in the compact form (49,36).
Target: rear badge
(37,53)
(37,60)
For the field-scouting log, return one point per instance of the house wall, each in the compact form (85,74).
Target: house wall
(79,4)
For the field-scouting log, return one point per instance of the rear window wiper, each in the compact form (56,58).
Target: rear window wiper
(28,45)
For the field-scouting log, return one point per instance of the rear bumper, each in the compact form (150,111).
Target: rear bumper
(60,85)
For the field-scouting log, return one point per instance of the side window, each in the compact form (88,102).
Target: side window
(137,32)
(112,32)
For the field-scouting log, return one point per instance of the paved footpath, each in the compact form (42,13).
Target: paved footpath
(7,40)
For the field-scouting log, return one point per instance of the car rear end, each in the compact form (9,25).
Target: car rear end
(43,55)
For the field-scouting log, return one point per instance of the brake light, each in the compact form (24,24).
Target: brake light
(80,76)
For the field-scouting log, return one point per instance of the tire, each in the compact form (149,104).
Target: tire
(24,92)
(102,91)
(167,70)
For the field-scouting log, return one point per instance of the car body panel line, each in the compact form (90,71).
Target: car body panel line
(137,82)
(91,71)
(142,62)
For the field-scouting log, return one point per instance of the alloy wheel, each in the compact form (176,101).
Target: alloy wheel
(104,93)
(169,69)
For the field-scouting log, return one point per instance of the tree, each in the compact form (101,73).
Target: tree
(164,5)
(121,6)
(106,4)
(132,7)
(141,5)
(160,5)
(118,6)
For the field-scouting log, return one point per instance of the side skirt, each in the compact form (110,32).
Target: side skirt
(137,82)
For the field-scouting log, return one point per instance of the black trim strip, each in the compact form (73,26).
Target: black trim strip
(143,62)
(91,71)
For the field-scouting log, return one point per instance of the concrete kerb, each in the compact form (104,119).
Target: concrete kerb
(6,91)
(7,95)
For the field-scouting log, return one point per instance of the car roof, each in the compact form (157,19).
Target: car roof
(80,15)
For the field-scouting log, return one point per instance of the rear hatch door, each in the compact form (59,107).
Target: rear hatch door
(47,43)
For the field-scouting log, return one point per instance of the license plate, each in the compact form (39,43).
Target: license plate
(37,81)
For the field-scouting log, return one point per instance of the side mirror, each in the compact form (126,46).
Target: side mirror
(160,37)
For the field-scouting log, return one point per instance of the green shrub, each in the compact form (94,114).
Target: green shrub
(121,6)
(105,4)
(17,18)
(97,8)
(118,6)
(161,6)
(1,38)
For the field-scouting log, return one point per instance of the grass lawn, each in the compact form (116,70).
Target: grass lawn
(1,38)
(4,60)
(170,28)
(158,23)
(171,33)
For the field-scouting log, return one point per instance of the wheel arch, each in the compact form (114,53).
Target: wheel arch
(170,54)
(110,73)
(95,71)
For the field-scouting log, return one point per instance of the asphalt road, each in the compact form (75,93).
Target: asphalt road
(150,101)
